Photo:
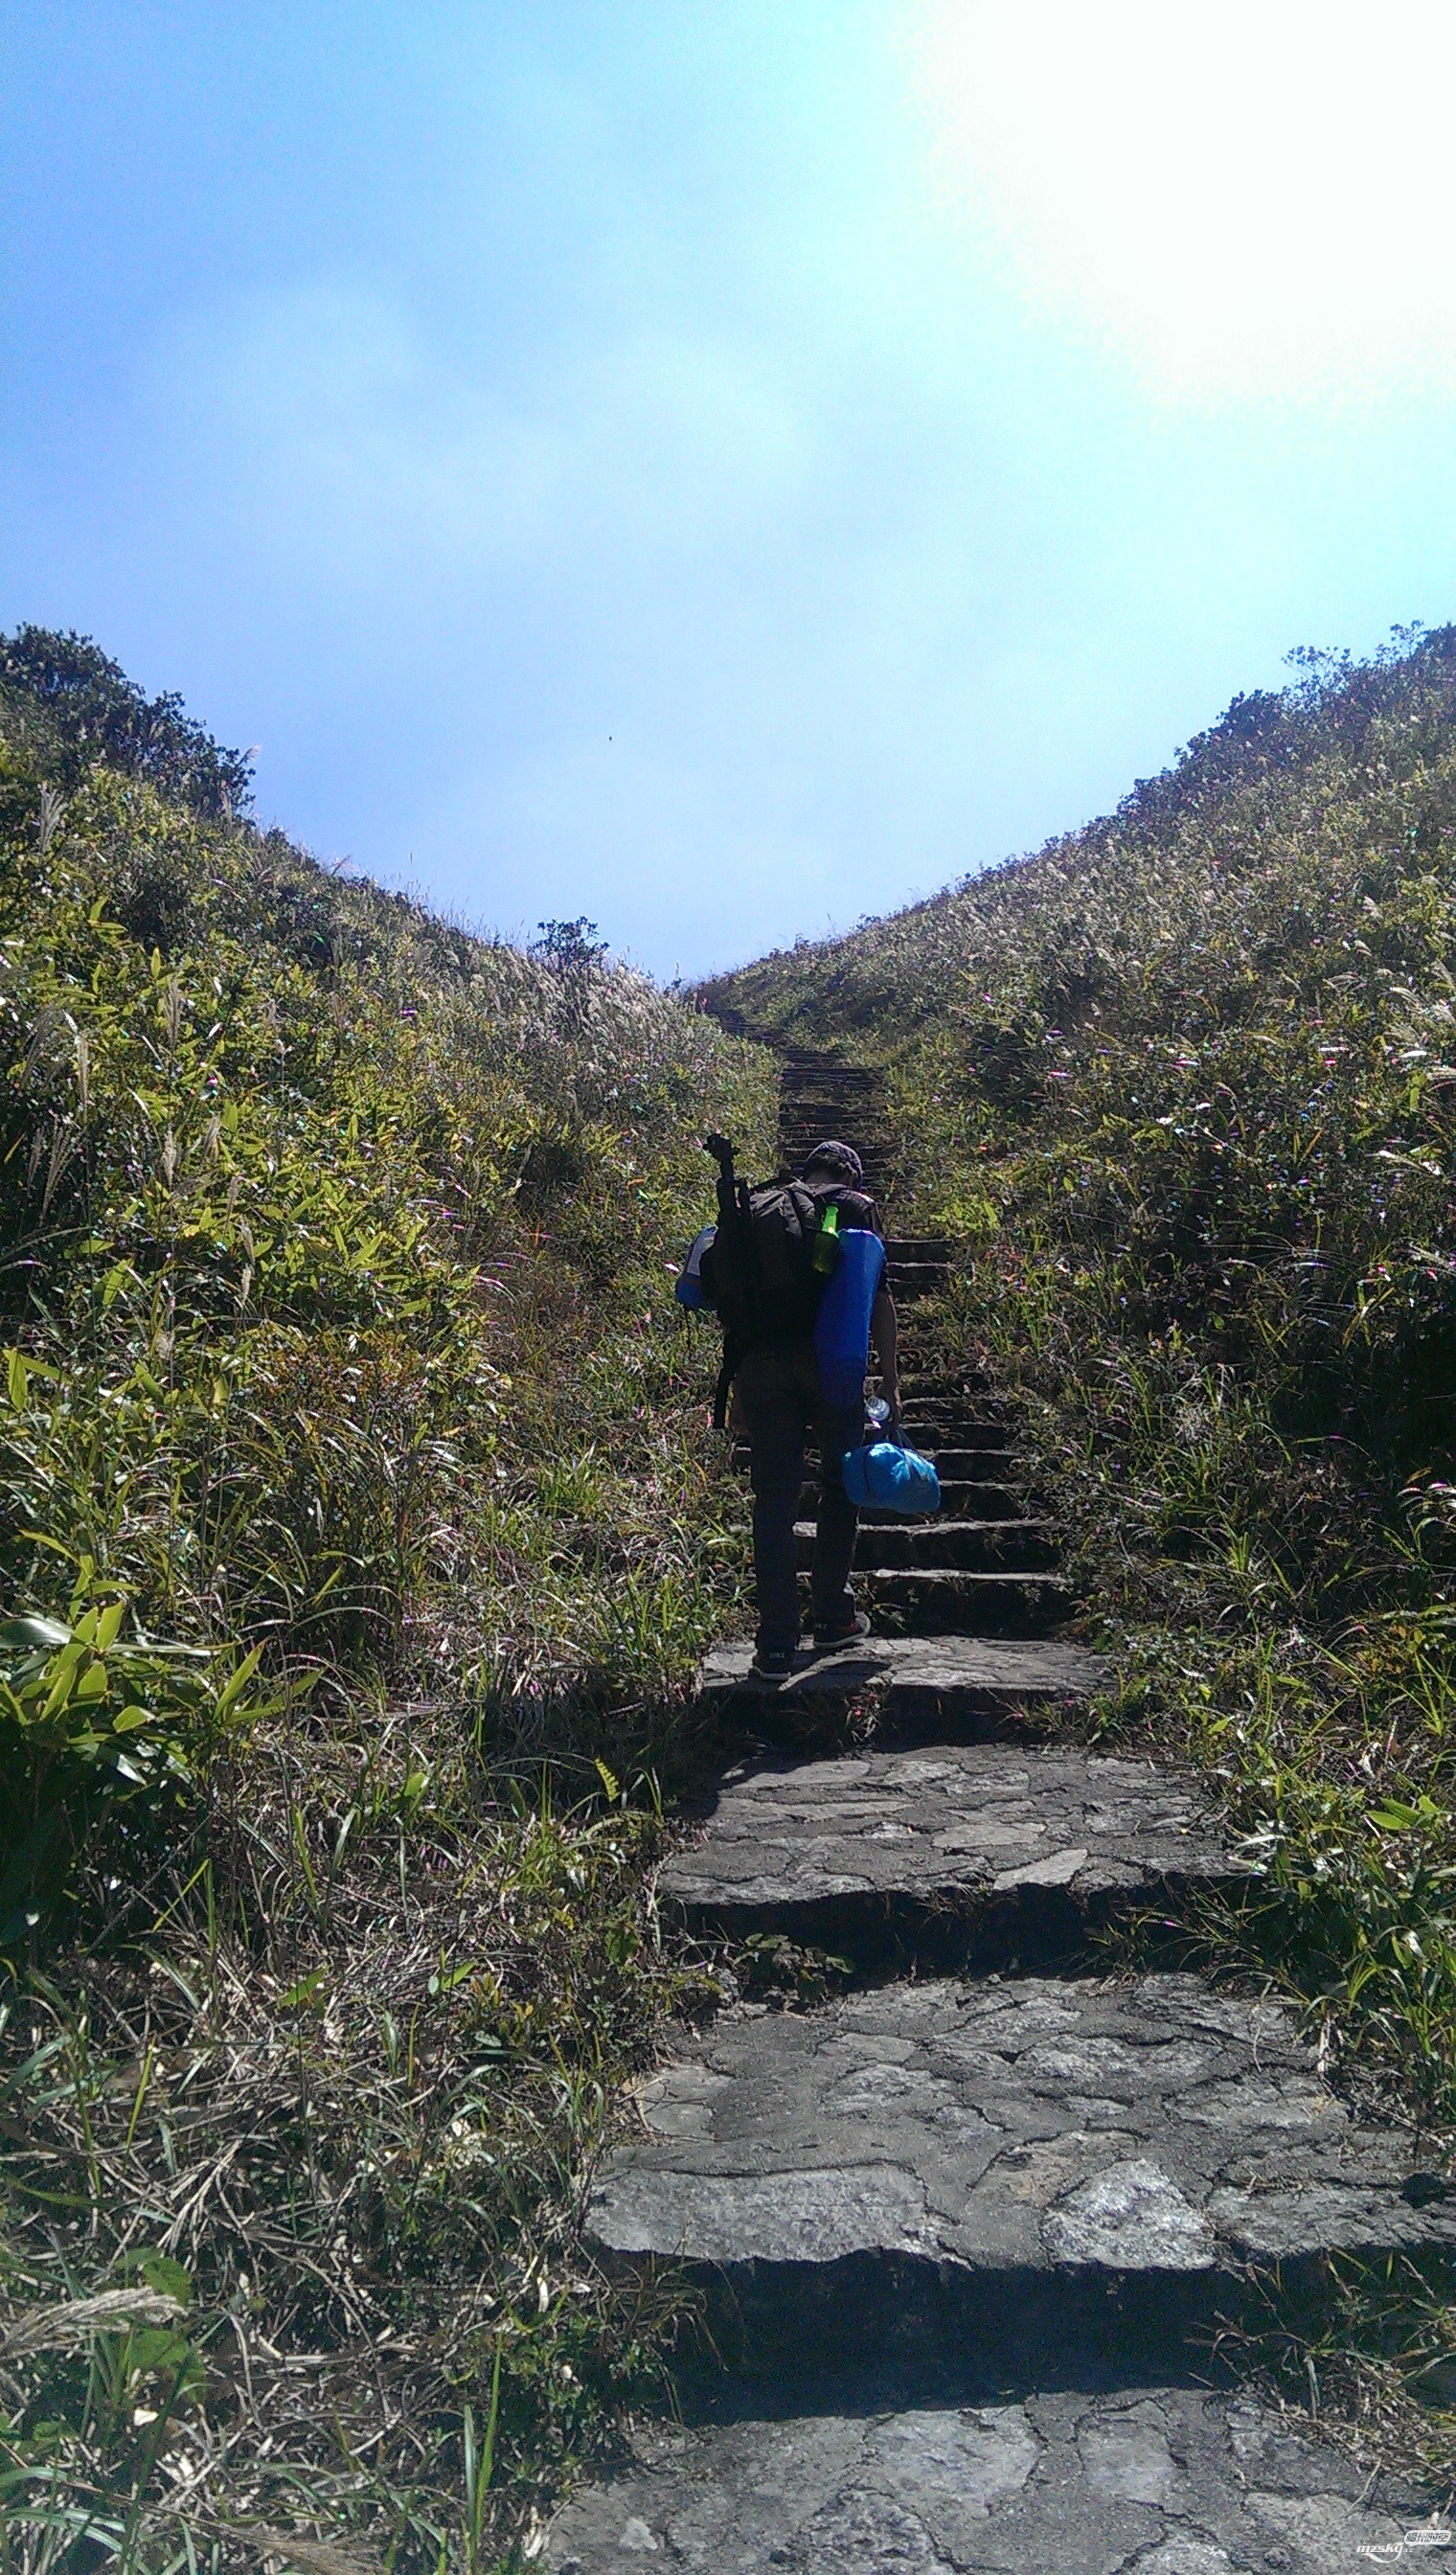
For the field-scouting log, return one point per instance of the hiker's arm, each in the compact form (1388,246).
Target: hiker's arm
(884,1334)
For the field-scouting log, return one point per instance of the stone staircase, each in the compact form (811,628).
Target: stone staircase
(962,2235)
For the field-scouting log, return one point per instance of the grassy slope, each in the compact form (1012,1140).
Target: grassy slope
(348,1427)
(1186,1083)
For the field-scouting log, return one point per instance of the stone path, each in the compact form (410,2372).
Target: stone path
(961,2235)
(964,1686)
(1167,2482)
(970,1840)
(1140,2124)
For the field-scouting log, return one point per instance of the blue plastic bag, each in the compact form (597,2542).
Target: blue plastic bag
(886,1477)
(841,1325)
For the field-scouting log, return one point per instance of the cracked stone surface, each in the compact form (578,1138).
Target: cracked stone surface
(1143,2126)
(982,1820)
(1166,2482)
(946,1677)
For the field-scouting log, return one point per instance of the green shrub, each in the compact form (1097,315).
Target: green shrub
(336,1282)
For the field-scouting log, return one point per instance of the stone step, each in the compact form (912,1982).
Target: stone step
(965,1689)
(921,1246)
(969,1463)
(962,1472)
(1171,2480)
(978,1852)
(970,1410)
(908,1280)
(990,1458)
(831,1075)
(817,1107)
(974,1497)
(961,1499)
(953,1439)
(849,1121)
(967,1545)
(933,1435)
(806,1064)
(932,1386)
(969,1402)
(855,1117)
(930,2173)
(942,1598)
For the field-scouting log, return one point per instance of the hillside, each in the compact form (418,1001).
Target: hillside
(1185,1083)
(359,1539)
(362,1534)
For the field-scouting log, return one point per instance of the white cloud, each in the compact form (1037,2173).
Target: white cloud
(1251,199)
(327,420)
(334,424)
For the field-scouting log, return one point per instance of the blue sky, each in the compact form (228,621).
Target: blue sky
(722,468)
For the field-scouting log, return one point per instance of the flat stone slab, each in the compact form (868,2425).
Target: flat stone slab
(827,1845)
(972,1684)
(920,2140)
(1171,2481)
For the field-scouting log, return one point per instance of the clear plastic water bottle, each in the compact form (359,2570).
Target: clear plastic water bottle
(876,1413)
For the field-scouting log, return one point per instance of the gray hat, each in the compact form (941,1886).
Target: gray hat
(840,1161)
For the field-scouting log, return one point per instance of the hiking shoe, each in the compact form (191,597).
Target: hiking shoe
(843,1634)
(772,1667)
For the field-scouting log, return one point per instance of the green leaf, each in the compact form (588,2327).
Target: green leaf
(445,1980)
(236,1682)
(307,1990)
(161,2272)
(60,1690)
(38,1635)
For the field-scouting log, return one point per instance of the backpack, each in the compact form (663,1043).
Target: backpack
(767,1288)
(760,1269)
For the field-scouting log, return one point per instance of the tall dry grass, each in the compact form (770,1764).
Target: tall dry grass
(359,1537)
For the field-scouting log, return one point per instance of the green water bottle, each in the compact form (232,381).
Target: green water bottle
(826,1241)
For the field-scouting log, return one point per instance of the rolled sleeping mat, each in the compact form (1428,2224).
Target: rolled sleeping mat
(690,1290)
(841,1325)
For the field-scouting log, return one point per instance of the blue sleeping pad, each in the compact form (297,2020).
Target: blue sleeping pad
(690,1289)
(841,1325)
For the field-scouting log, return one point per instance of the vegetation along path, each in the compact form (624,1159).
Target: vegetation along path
(366,1714)
(965,2230)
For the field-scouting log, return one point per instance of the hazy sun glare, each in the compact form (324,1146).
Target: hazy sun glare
(1251,199)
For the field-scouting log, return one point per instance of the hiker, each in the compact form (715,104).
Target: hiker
(779,1400)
